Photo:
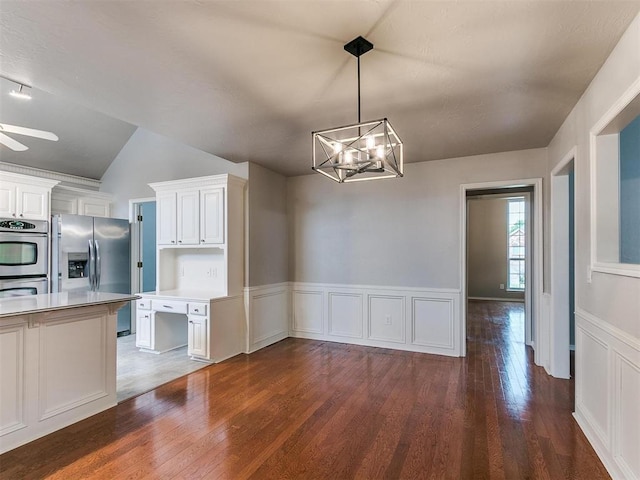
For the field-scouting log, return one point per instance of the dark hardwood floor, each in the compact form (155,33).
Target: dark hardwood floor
(312,410)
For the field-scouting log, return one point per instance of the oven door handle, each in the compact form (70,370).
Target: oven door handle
(92,267)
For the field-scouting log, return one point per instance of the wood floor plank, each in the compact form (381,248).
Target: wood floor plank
(304,409)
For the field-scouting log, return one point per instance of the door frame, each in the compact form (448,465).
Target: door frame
(532,320)
(559,341)
(134,206)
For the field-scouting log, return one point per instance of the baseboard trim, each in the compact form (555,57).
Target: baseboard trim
(496,299)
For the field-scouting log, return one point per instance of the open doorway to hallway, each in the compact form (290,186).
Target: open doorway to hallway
(498,258)
(535,325)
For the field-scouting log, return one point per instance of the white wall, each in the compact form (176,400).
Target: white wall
(148,157)
(608,307)
(398,232)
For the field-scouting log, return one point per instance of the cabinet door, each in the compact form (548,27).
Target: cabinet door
(197,336)
(94,207)
(63,204)
(32,202)
(188,217)
(166,218)
(212,215)
(143,330)
(7,199)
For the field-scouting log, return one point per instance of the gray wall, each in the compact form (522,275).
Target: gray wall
(268,243)
(396,232)
(487,249)
(148,157)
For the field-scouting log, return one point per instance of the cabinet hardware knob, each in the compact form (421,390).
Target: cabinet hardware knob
(13,214)
(21,215)
(190,321)
(179,241)
(173,241)
(202,240)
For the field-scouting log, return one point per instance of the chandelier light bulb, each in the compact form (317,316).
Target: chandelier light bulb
(348,156)
(380,151)
(370,142)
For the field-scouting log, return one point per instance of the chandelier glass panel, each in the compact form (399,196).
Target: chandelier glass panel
(363,151)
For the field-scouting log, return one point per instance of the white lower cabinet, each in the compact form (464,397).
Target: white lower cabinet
(198,336)
(212,330)
(143,329)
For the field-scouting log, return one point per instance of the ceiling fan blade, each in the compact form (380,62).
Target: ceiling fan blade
(12,144)
(29,132)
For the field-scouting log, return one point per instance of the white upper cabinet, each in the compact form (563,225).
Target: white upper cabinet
(191,212)
(188,217)
(166,218)
(212,215)
(24,197)
(81,202)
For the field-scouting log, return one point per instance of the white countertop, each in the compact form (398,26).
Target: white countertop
(58,301)
(186,295)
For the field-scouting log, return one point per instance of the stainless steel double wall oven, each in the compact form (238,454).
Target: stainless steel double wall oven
(24,257)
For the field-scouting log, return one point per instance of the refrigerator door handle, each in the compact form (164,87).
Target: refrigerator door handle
(92,263)
(98,264)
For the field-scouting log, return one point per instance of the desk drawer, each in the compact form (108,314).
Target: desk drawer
(144,304)
(169,306)
(197,309)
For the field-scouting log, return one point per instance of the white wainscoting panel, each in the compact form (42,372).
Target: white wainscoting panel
(308,312)
(267,312)
(607,393)
(627,416)
(12,346)
(591,391)
(345,314)
(386,320)
(418,320)
(432,322)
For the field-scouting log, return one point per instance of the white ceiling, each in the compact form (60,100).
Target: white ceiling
(250,80)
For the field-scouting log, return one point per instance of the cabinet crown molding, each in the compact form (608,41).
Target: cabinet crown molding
(75,191)
(27,179)
(46,174)
(198,182)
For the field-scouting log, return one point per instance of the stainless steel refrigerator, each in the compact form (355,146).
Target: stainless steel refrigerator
(92,253)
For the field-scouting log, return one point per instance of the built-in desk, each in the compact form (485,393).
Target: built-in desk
(212,326)
(58,365)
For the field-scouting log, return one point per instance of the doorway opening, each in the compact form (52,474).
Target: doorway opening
(526,285)
(499,260)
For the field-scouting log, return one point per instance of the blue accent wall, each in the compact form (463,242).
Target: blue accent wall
(630,193)
(148,212)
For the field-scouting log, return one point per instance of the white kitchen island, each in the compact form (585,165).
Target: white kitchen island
(57,361)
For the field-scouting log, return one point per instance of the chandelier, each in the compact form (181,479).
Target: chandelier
(362,151)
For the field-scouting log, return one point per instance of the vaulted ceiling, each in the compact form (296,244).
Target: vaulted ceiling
(250,80)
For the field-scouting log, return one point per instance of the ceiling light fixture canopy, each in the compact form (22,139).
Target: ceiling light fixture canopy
(362,151)
(23,92)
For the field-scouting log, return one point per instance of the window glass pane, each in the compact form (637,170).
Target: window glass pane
(516,247)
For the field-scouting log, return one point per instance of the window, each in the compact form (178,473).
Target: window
(516,246)
(615,180)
